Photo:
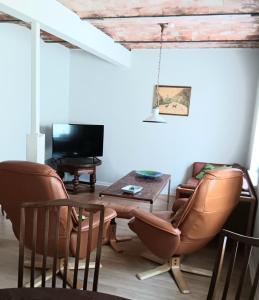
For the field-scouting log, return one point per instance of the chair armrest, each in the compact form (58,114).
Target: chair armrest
(179,203)
(109,214)
(156,222)
(186,186)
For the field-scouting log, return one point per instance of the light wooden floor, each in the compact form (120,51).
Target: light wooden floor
(118,273)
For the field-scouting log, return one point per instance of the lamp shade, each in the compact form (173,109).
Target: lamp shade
(155,117)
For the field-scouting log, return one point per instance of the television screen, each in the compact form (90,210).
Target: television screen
(77,140)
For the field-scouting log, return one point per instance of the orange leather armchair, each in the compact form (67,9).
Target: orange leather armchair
(192,223)
(246,209)
(23,181)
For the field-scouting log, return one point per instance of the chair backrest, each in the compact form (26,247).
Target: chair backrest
(235,240)
(34,211)
(208,208)
(22,181)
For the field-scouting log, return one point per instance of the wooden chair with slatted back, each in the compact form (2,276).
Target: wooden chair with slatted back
(49,220)
(237,243)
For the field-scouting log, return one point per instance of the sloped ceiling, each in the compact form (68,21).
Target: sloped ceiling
(191,23)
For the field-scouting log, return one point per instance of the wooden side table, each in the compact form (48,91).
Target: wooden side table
(77,167)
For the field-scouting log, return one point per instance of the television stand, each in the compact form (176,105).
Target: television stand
(76,167)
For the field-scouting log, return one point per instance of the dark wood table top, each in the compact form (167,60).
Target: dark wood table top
(152,187)
(79,162)
(53,294)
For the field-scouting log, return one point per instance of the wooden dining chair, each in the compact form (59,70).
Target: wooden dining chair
(237,243)
(54,235)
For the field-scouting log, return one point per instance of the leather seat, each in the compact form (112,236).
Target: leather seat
(192,223)
(23,181)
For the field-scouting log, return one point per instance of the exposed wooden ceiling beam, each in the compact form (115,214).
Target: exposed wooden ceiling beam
(111,8)
(12,21)
(187,41)
(213,28)
(194,45)
(171,16)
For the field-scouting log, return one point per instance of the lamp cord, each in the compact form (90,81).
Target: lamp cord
(159,62)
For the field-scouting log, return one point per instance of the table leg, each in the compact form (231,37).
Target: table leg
(75,182)
(168,193)
(151,207)
(93,180)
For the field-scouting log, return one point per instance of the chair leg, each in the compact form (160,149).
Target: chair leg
(172,265)
(150,256)
(150,273)
(197,271)
(175,267)
(114,240)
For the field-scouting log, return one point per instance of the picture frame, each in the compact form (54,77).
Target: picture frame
(172,100)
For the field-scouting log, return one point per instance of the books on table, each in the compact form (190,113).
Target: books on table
(132,189)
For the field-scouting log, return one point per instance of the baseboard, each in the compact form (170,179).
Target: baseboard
(104,183)
(252,268)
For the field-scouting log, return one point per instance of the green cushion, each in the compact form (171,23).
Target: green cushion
(207,167)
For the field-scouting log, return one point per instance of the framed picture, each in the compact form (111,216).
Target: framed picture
(173,100)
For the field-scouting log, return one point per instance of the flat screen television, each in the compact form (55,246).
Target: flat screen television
(77,140)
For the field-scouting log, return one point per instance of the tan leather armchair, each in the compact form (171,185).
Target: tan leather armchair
(192,223)
(22,181)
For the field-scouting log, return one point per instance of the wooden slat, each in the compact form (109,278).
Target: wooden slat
(255,284)
(98,252)
(45,250)
(88,251)
(78,241)
(67,246)
(55,257)
(21,248)
(230,269)
(248,251)
(34,241)
(217,266)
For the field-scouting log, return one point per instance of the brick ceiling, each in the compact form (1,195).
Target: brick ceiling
(191,23)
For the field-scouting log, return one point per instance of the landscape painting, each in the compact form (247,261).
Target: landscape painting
(173,100)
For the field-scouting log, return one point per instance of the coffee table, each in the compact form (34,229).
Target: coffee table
(152,187)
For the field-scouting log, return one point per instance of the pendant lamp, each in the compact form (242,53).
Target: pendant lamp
(155,117)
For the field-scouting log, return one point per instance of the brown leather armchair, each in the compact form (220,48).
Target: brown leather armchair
(246,209)
(191,225)
(23,181)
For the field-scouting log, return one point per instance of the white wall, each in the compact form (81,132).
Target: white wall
(15,89)
(217,130)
